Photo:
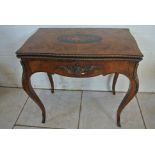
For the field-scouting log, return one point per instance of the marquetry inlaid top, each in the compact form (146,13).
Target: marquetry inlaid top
(81,42)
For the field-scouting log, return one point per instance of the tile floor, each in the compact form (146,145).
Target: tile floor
(74,109)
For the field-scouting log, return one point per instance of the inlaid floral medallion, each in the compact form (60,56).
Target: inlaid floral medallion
(79,38)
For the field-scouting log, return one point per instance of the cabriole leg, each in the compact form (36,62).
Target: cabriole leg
(51,82)
(114,83)
(132,91)
(26,82)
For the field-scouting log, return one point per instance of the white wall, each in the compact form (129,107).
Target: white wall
(12,37)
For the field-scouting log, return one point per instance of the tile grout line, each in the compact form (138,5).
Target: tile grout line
(18,87)
(38,127)
(141,112)
(80,110)
(20,112)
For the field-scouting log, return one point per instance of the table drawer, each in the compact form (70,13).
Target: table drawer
(79,68)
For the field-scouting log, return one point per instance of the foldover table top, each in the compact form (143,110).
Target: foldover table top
(81,53)
(81,42)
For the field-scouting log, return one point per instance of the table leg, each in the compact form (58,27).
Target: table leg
(26,82)
(114,83)
(133,89)
(51,82)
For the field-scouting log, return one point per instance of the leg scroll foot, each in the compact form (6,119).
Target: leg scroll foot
(43,117)
(118,121)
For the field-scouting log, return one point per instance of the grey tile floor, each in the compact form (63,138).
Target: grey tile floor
(74,109)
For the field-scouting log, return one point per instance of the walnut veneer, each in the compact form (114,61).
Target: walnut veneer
(81,52)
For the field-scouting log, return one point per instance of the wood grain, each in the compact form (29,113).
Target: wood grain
(114,43)
(115,51)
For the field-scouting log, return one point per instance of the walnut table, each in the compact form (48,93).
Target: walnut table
(81,52)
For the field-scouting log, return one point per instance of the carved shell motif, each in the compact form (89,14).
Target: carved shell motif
(78,69)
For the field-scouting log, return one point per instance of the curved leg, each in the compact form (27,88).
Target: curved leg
(51,81)
(26,82)
(133,89)
(114,83)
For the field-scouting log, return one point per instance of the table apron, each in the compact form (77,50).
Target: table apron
(80,68)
